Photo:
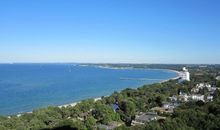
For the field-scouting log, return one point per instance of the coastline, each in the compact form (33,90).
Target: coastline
(60,106)
(175,78)
(75,103)
(99,98)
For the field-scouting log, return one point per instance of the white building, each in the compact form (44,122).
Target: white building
(173,98)
(203,85)
(210,98)
(200,86)
(198,97)
(218,78)
(195,90)
(183,97)
(185,74)
(184,69)
(187,78)
(169,105)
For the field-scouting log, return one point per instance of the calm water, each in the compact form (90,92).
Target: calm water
(24,87)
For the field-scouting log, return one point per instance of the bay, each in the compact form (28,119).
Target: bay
(24,87)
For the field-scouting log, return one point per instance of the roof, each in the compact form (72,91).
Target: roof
(161,109)
(146,117)
(115,107)
(198,95)
(101,126)
(111,125)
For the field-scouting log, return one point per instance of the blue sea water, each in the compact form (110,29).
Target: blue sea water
(24,87)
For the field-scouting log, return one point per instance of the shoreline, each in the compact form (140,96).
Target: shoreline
(60,106)
(99,98)
(72,104)
(179,73)
(75,103)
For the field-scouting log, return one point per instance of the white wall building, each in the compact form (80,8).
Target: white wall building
(203,85)
(185,74)
(184,69)
(183,97)
(210,98)
(198,97)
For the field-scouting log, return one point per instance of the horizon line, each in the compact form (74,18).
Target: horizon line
(108,63)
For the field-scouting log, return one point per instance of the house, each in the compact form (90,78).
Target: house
(115,107)
(209,98)
(110,126)
(195,90)
(203,85)
(167,105)
(159,109)
(183,97)
(166,108)
(210,88)
(213,89)
(144,118)
(218,78)
(197,97)
(173,98)
(83,116)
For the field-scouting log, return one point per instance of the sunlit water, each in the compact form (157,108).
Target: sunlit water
(24,87)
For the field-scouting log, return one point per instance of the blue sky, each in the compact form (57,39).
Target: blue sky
(113,31)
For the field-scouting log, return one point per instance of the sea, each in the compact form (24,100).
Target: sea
(25,87)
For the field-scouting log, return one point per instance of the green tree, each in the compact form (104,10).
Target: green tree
(128,108)
(104,113)
(159,101)
(90,122)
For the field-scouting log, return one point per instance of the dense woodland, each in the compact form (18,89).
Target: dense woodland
(87,114)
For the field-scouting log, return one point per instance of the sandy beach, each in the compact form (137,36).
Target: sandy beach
(75,103)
